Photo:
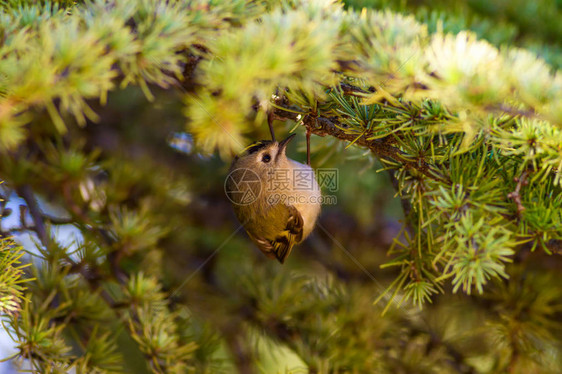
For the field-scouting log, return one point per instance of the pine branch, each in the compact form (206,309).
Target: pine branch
(26,193)
(382,148)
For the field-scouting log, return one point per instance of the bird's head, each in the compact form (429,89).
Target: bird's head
(263,155)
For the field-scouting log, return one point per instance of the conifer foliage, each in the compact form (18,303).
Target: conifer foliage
(117,123)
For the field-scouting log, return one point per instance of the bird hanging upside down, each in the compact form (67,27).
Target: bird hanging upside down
(276,199)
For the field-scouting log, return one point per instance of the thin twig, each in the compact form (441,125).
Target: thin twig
(270,118)
(26,193)
(406,205)
(351,90)
(515,195)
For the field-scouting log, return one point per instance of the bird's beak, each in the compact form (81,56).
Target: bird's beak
(284,143)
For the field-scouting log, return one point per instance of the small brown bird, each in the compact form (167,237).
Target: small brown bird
(276,199)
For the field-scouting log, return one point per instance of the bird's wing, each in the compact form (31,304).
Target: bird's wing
(281,246)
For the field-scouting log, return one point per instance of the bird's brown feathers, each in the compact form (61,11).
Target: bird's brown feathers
(281,246)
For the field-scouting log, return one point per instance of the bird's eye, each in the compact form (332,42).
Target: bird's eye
(266,158)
